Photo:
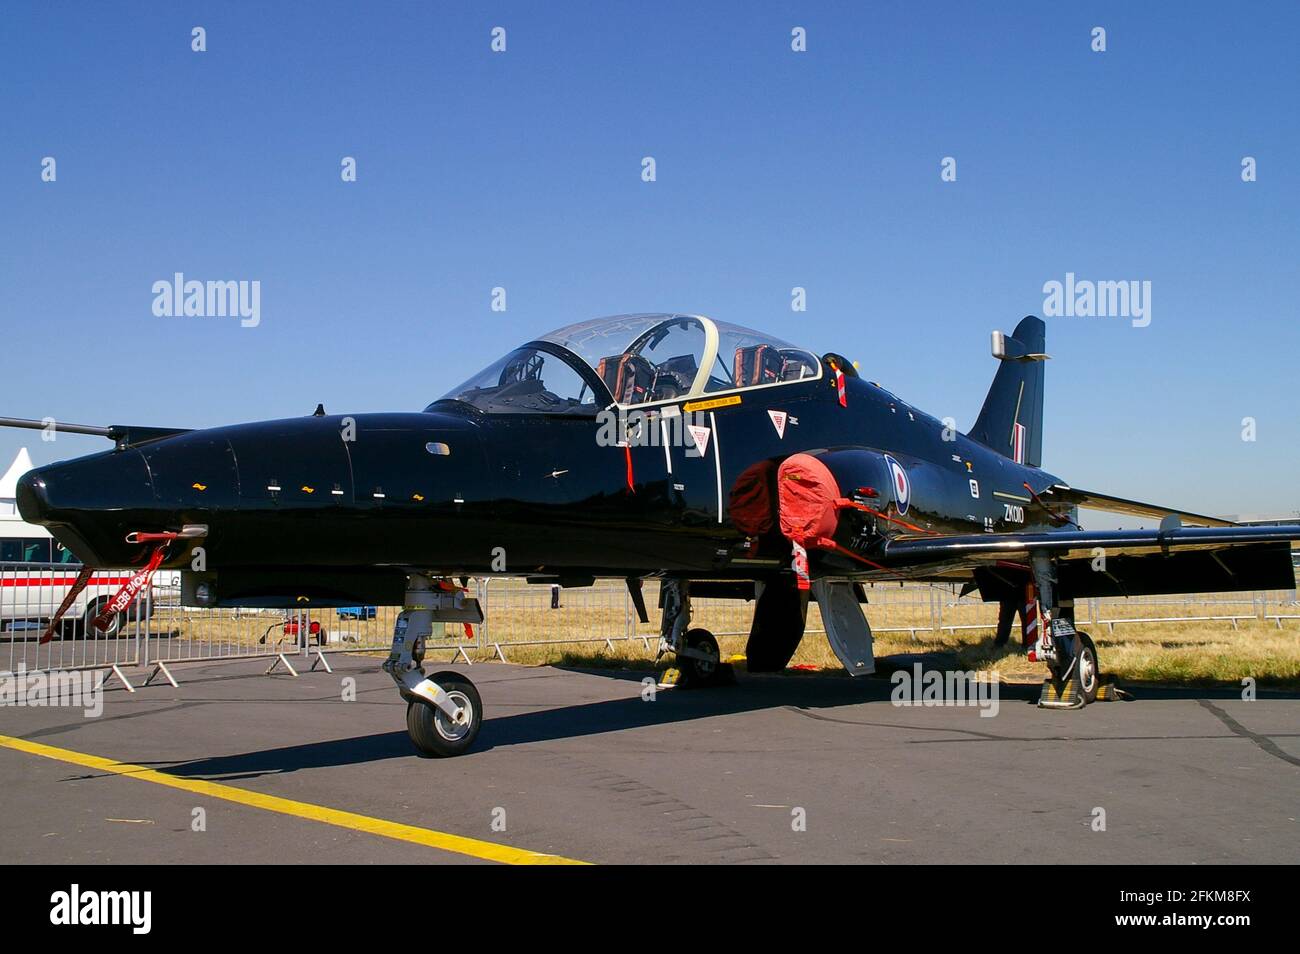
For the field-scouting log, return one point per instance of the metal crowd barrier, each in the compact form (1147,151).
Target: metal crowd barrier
(160,632)
(30,594)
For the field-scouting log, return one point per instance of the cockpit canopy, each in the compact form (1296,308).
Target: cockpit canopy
(633,360)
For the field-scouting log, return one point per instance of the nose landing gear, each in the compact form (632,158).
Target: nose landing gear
(698,659)
(443,712)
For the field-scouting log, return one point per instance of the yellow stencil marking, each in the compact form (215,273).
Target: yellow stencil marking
(709,405)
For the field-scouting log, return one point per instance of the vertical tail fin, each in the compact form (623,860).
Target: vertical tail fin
(1011,420)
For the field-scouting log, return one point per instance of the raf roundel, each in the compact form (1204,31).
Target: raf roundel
(902,486)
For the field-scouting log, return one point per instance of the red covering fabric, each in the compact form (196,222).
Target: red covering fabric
(807,492)
(751,505)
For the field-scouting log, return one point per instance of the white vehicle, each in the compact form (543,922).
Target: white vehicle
(36,573)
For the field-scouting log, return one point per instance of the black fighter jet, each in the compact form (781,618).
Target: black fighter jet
(719,460)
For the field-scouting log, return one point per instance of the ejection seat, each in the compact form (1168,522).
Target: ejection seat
(629,377)
(759,364)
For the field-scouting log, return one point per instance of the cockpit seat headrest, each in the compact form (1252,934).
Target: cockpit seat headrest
(629,377)
(759,364)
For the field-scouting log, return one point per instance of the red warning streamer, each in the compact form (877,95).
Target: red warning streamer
(74,591)
(826,543)
(800,566)
(839,384)
(448,587)
(130,589)
(844,503)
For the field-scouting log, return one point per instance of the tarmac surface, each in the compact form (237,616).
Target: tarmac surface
(576,764)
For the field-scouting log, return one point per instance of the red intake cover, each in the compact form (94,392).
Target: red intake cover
(807,492)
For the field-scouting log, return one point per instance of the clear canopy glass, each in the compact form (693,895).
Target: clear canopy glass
(640,359)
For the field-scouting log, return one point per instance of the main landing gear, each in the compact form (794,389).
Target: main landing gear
(698,658)
(443,711)
(1070,654)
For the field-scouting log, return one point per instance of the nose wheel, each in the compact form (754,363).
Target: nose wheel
(700,663)
(437,732)
(443,712)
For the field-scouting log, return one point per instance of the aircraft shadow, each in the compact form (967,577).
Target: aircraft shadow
(565,722)
(754,693)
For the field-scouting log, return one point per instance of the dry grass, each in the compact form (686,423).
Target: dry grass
(1178,654)
(531,633)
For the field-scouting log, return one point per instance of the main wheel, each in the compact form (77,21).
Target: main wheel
(780,615)
(1006,616)
(1089,673)
(700,672)
(433,731)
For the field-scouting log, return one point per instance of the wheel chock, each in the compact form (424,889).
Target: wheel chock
(676,679)
(1109,691)
(1064,695)
(1067,695)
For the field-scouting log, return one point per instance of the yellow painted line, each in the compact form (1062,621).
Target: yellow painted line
(486,850)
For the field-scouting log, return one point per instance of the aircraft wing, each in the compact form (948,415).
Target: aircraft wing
(1117,562)
(1060,493)
(1077,543)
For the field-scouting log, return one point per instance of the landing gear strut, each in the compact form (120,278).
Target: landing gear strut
(698,657)
(1070,655)
(443,711)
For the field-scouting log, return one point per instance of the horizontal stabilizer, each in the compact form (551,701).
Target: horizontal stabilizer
(1006,348)
(1109,504)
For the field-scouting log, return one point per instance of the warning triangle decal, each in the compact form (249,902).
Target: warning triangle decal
(778,421)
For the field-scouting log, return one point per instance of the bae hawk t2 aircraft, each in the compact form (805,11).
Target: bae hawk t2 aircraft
(718,460)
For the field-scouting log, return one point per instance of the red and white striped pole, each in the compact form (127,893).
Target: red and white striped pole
(1031,625)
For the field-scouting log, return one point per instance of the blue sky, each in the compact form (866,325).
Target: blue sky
(775,169)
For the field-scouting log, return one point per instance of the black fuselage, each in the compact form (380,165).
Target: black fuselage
(454,490)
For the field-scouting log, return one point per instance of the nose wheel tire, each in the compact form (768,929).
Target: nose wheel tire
(435,733)
(700,672)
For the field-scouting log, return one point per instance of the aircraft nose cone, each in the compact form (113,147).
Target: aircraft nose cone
(91,503)
(33,503)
